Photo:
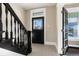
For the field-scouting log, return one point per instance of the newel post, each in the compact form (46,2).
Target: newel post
(29,42)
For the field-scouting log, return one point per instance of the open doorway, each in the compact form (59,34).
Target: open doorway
(70,29)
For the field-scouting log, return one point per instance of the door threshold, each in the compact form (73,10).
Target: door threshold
(76,47)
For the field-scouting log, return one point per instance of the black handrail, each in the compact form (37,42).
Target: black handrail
(14,14)
(22,39)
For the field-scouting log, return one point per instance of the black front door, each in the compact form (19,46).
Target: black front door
(38,30)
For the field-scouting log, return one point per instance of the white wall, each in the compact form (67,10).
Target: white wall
(27,13)
(20,12)
(51,27)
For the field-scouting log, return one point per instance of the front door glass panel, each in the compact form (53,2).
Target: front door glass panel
(37,24)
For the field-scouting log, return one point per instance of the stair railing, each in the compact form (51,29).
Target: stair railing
(12,29)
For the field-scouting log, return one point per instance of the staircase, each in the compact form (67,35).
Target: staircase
(13,34)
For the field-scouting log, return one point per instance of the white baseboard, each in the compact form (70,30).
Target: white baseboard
(50,43)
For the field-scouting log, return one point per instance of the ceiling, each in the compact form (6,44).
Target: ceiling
(72,5)
(75,9)
(27,6)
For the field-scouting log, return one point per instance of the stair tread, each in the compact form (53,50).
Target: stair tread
(7,45)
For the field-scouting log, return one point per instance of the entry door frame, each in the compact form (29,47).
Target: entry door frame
(44,15)
(63,31)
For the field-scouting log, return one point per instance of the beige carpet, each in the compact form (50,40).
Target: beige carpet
(43,50)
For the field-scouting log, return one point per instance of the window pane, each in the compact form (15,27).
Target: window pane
(38,24)
(73,28)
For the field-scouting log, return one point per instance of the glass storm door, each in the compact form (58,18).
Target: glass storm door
(65,30)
